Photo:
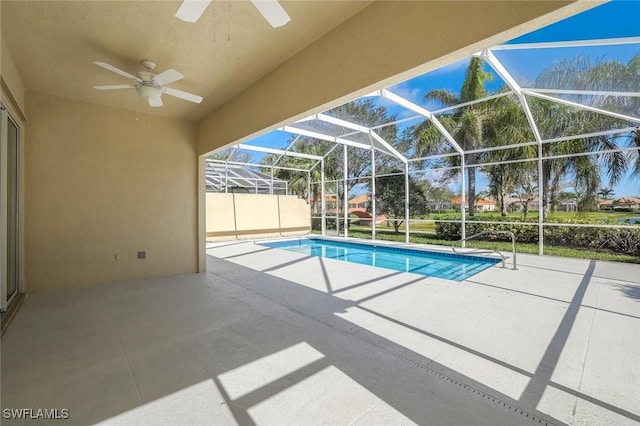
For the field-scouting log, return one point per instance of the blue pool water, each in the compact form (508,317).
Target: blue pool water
(432,264)
(630,220)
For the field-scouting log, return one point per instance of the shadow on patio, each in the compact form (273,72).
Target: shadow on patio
(237,345)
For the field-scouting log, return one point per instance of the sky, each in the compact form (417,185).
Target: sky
(615,19)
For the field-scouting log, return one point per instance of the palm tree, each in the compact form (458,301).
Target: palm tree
(556,119)
(606,193)
(501,121)
(506,124)
(526,193)
(634,140)
(465,124)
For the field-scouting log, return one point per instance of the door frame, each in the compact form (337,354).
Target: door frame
(5,119)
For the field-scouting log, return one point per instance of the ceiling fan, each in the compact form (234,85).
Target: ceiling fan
(149,85)
(273,12)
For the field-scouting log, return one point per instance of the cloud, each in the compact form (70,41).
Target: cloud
(413,94)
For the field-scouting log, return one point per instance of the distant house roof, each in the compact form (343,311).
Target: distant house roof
(364,198)
(480,202)
(627,200)
(511,200)
(327,198)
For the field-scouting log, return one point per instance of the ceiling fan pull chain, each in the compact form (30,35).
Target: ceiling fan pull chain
(137,108)
(229,21)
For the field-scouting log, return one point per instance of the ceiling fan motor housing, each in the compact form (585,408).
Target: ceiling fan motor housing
(148,91)
(148,64)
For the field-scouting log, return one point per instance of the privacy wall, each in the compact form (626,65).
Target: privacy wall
(231,216)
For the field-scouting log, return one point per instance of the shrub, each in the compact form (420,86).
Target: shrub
(623,241)
(594,238)
(525,233)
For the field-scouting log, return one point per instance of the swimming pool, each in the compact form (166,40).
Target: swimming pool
(630,220)
(449,266)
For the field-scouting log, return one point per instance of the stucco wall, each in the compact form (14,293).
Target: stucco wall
(255,216)
(294,212)
(101,186)
(10,81)
(219,213)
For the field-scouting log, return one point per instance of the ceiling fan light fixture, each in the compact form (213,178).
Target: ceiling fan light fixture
(149,92)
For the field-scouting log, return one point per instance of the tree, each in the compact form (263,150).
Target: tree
(586,195)
(556,119)
(634,140)
(229,154)
(437,196)
(465,124)
(390,197)
(364,112)
(296,180)
(526,193)
(606,193)
(501,181)
(501,121)
(506,124)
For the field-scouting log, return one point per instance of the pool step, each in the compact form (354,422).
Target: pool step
(464,271)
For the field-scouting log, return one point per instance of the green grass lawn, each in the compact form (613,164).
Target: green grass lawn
(388,234)
(596,217)
(592,215)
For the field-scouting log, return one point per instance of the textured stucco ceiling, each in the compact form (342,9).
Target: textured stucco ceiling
(54,44)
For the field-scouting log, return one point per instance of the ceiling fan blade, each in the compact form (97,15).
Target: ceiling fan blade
(155,102)
(117,70)
(191,10)
(182,95)
(115,86)
(272,12)
(168,76)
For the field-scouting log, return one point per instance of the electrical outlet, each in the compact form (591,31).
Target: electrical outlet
(142,255)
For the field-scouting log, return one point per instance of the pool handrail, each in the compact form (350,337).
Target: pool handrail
(494,231)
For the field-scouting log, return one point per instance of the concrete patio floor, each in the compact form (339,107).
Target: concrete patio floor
(268,336)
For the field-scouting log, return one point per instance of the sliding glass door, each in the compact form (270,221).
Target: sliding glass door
(9,208)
